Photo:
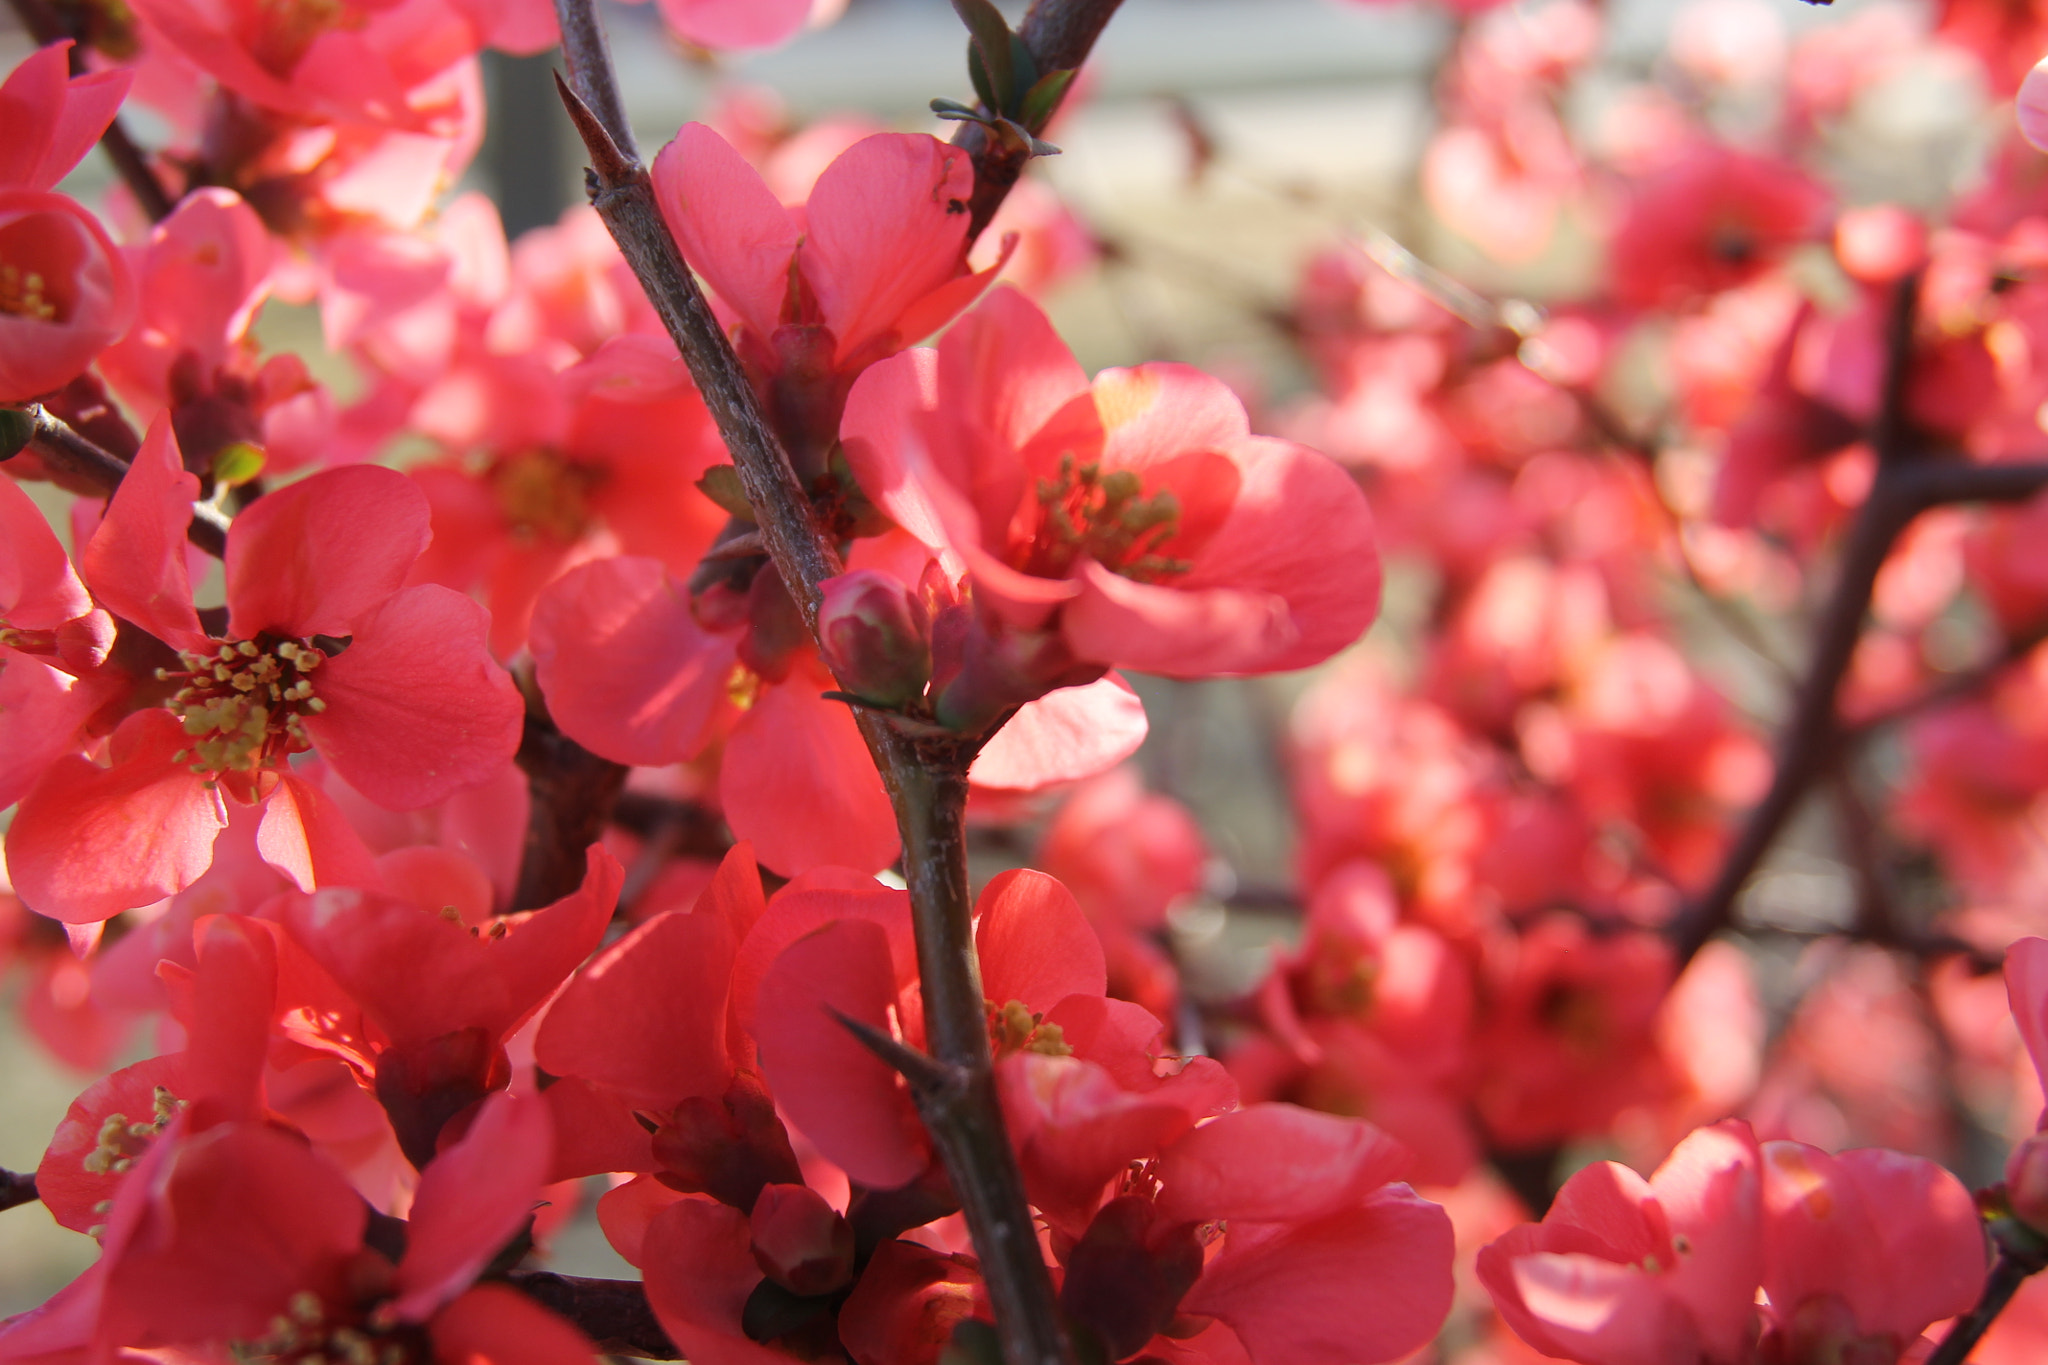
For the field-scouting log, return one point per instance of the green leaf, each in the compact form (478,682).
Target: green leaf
(992,39)
(957,112)
(977,72)
(772,1311)
(721,484)
(237,463)
(1042,101)
(17,429)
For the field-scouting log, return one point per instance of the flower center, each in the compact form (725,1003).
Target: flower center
(23,294)
(121,1142)
(285,29)
(1013,1028)
(1083,512)
(544,496)
(307,1335)
(244,705)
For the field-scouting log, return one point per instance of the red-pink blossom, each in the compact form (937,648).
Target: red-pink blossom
(1136,520)
(406,704)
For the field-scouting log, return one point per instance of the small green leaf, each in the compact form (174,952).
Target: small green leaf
(236,463)
(721,484)
(992,38)
(772,1311)
(1023,74)
(1042,101)
(17,429)
(977,72)
(957,112)
(974,1342)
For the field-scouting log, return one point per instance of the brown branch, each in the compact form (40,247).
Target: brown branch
(573,791)
(614,1314)
(2004,1281)
(1059,34)
(46,26)
(926,778)
(67,452)
(17,1188)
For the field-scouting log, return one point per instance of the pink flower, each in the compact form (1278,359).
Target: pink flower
(1855,1256)
(1135,520)
(1624,1271)
(323,647)
(241,1233)
(1714,218)
(871,263)
(65,291)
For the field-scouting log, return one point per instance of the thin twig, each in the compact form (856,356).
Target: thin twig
(2004,1281)
(17,1188)
(46,26)
(64,450)
(1955,687)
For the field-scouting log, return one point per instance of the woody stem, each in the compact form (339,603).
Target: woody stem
(926,780)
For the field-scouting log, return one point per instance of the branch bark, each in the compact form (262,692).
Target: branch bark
(926,778)
(614,1314)
(1909,480)
(67,452)
(46,26)
(2004,1281)
(17,1188)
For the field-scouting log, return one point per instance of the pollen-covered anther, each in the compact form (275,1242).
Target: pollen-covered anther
(309,1333)
(1014,1028)
(244,705)
(25,294)
(121,1141)
(1104,517)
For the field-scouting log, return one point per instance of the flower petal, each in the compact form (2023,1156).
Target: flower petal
(1370,1284)
(847,1101)
(315,556)
(135,560)
(473,1197)
(1034,943)
(730,227)
(416,708)
(797,782)
(1066,735)
(626,669)
(89,842)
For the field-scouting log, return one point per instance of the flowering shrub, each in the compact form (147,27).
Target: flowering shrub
(560,756)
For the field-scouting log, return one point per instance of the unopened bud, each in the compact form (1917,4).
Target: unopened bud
(2026,1182)
(875,636)
(800,1241)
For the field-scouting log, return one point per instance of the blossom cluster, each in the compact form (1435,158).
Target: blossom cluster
(442,773)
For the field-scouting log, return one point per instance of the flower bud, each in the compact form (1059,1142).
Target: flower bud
(875,637)
(2026,1182)
(800,1241)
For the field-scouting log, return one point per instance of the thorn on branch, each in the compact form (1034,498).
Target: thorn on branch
(928,1076)
(612,165)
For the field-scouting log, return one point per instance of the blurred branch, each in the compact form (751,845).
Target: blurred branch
(614,1314)
(17,1189)
(64,450)
(2004,1281)
(573,791)
(46,26)
(1955,687)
